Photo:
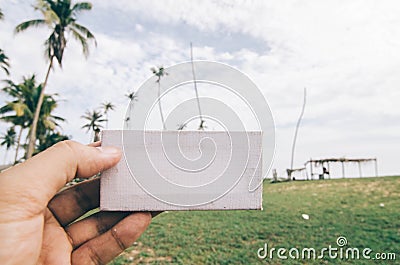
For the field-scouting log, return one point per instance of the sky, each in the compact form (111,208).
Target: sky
(346,53)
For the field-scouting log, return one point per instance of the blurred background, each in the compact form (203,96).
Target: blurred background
(345,54)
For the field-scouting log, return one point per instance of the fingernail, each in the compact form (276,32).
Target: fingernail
(110,150)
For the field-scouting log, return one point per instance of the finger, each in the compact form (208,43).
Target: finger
(95,144)
(93,226)
(73,202)
(38,179)
(107,246)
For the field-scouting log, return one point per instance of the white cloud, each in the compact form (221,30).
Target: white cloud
(139,28)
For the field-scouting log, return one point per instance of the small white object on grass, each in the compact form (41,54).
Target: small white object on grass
(382,204)
(305,216)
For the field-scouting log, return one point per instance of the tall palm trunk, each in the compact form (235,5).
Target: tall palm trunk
(96,135)
(18,144)
(159,104)
(32,134)
(201,126)
(295,133)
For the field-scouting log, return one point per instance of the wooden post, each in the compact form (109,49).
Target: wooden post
(311,169)
(359,169)
(376,167)
(305,166)
(342,169)
(329,170)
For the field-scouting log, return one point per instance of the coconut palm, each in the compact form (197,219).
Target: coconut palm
(201,125)
(51,139)
(159,72)
(20,123)
(60,17)
(107,106)
(21,109)
(4,63)
(8,140)
(48,123)
(95,120)
(132,97)
(16,112)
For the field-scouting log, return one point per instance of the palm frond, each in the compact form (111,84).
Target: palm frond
(58,118)
(106,106)
(84,31)
(82,40)
(9,138)
(95,118)
(48,8)
(29,24)
(81,6)
(4,63)
(5,69)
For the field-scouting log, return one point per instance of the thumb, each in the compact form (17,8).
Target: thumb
(34,182)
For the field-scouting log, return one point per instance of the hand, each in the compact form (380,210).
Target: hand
(36,224)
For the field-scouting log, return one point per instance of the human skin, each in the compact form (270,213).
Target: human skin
(37,223)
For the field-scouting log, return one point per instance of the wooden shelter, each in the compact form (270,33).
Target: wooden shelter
(326,162)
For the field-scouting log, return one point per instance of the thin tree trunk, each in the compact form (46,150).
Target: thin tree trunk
(18,144)
(96,135)
(159,104)
(201,126)
(32,133)
(295,132)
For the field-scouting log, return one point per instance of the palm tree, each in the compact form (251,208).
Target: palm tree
(8,140)
(4,64)
(94,118)
(20,122)
(20,110)
(132,97)
(107,106)
(289,171)
(159,72)
(21,118)
(201,126)
(51,139)
(60,17)
(48,123)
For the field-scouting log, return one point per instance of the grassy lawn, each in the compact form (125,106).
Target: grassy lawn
(365,211)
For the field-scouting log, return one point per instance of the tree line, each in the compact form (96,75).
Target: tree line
(30,109)
(32,125)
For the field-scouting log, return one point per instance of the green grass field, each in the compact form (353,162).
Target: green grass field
(365,211)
